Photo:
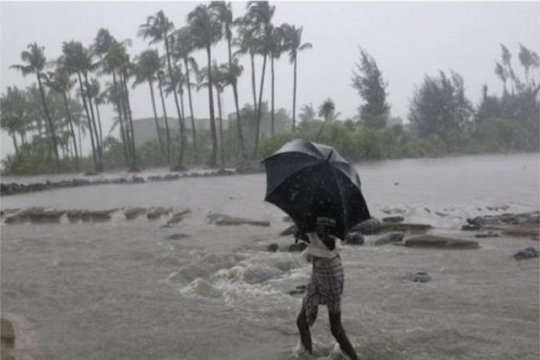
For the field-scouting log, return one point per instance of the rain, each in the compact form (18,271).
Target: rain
(278,180)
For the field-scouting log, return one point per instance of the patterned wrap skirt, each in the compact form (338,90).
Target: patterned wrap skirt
(325,287)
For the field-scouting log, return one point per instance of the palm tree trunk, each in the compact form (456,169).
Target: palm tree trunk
(80,139)
(155,116)
(193,129)
(259,112)
(166,122)
(15,143)
(100,130)
(273,82)
(120,120)
(241,144)
(68,113)
(253,82)
(130,119)
(51,125)
(93,120)
(294,98)
(213,156)
(220,127)
(180,161)
(180,165)
(89,122)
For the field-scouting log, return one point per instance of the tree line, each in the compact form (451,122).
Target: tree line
(175,72)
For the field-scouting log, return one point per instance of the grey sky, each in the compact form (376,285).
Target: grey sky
(407,39)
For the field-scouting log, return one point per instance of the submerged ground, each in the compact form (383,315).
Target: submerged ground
(127,290)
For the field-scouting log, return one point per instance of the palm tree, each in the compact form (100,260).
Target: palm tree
(14,117)
(258,22)
(35,63)
(276,49)
(293,43)
(147,67)
(161,81)
(96,94)
(60,82)
(181,50)
(224,15)
(328,111)
(221,79)
(206,31)
(158,28)
(77,60)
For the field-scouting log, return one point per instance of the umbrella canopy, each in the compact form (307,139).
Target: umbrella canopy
(317,188)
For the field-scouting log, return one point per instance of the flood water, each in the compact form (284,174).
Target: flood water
(122,290)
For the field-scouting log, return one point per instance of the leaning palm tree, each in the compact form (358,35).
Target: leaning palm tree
(60,82)
(206,31)
(158,28)
(161,82)
(224,15)
(328,111)
(258,21)
(146,69)
(182,49)
(35,63)
(276,49)
(77,60)
(293,44)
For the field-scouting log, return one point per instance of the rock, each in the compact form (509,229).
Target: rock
(367,227)
(178,217)
(226,220)
(393,219)
(8,334)
(431,241)
(18,218)
(137,179)
(273,247)
(73,215)
(45,216)
(393,237)
(354,238)
(177,237)
(250,169)
(156,213)
(487,234)
(298,247)
(402,227)
(470,227)
(133,213)
(296,292)
(521,231)
(96,215)
(528,253)
(419,276)
(291,230)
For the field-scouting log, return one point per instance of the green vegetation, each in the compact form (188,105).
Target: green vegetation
(48,121)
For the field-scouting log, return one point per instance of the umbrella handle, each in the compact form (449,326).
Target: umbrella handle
(329,155)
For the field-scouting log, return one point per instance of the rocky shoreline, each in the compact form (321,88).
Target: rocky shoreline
(14,188)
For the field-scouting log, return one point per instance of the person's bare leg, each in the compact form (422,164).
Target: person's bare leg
(339,334)
(303,327)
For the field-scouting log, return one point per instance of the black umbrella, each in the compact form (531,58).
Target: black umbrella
(316,187)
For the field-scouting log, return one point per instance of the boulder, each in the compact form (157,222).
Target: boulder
(177,237)
(393,219)
(298,247)
(521,231)
(419,276)
(431,241)
(486,235)
(157,212)
(178,217)
(470,227)
(354,238)
(45,216)
(367,227)
(226,220)
(403,227)
(133,213)
(528,253)
(18,218)
(296,292)
(8,334)
(273,247)
(73,215)
(393,237)
(96,215)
